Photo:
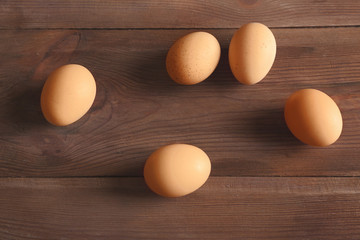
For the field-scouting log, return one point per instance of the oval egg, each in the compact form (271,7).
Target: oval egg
(313,117)
(252,53)
(192,58)
(176,170)
(68,94)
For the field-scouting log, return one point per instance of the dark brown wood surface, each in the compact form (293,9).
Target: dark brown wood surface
(84,181)
(176,14)
(139,108)
(225,208)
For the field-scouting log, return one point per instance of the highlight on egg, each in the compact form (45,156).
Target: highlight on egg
(193,58)
(313,117)
(67,94)
(252,52)
(176,170)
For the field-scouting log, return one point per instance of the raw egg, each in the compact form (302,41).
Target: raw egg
(252,53)
(68,94)
(313,117)
(192,58)
(176,170)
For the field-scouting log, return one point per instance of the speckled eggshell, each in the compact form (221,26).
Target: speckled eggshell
(176,170)
(313,117)
(193,58)
(68,94)
(252,53)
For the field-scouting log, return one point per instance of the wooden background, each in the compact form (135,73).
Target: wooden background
(84,181)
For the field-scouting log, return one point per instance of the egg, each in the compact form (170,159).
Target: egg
(313,117)
(252,53)
(67,94)
(176,170)
(193,58)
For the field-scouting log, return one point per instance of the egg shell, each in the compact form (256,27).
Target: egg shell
(68,94)
(252,53)
(193,58)
(176,170)
(313,117)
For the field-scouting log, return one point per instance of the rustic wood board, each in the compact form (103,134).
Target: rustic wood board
(85,181)
(225,208)
(139,108)
(176,14)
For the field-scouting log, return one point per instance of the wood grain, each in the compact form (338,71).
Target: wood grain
(138,108)
(224,208)
(264,183)
(23,14)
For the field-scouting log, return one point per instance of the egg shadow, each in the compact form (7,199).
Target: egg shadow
(151,74)
(269,127)
(222,76)
(23,109)
(132,187)
(133,167)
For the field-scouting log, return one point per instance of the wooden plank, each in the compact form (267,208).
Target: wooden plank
(176,14)
(225,208)
(138,108)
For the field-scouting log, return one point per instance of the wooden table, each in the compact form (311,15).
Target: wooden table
(84,181)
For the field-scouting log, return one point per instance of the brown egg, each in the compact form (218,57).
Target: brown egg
(177,170)
(252,53)
(313,117)
(192,58)
(68,94)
